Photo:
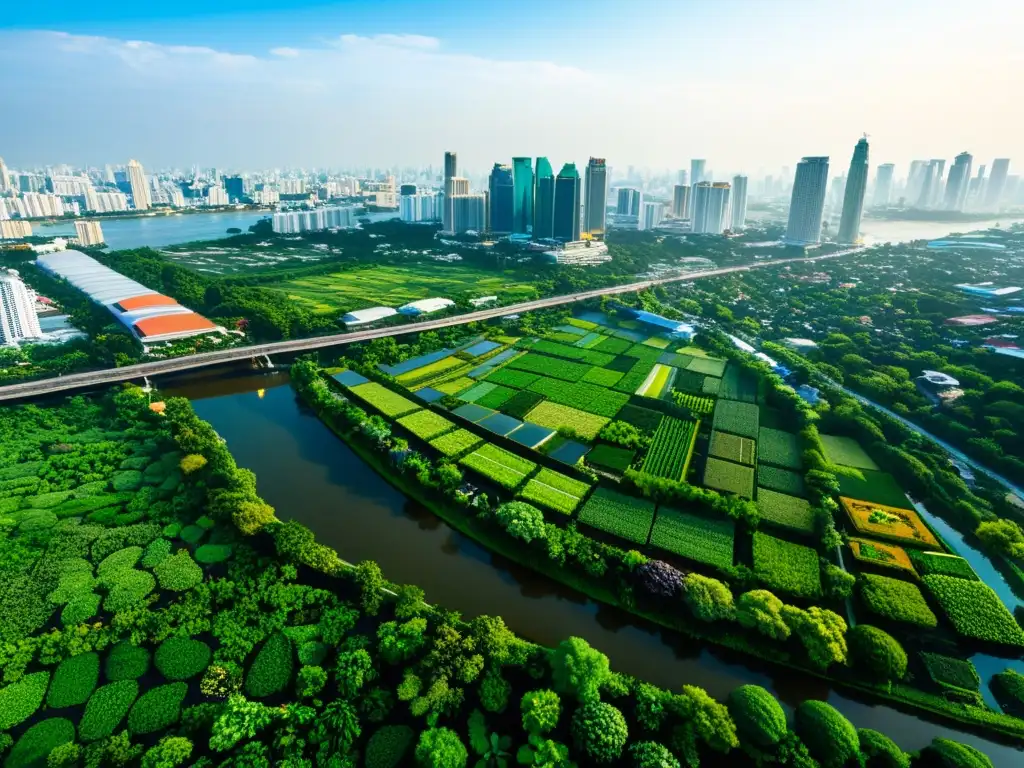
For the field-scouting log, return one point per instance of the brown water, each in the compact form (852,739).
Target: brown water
(310,475)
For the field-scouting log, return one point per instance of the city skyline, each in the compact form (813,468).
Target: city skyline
(229,68)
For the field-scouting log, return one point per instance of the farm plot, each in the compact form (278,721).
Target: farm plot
(778,448)
(847,452)
(428,372)
(475,393)
(781,480)
(706,365)
(657,382)
(530,435)
(590,340)
(550,366)
(504,468)
(785,566)
(736,417)
(644,419)
(711,386)
(587,397)
(701,539)
(785,511)
(671,449)
(500,424)
(729,478)
(555,416)
(738,449)
(554,491)
(510,377)
(454,386)
(456,443)
(901,525)
(572,352)
(634,377)
(950,672)
(657,342)
(383,399)
(738,385)
(974,609)
(497,397)
(943,564)
(897,600)
(882,555)
(627,517)
(602,377)
(875,487)
(701,406)
(687,381)
(521,403)
(425,424)
(611,458)
(612,346)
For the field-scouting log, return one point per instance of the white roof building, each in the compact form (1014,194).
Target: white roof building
(371,315)
(425,306)
(479,302)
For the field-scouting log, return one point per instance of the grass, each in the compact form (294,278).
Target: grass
(588,397)
(786,567)
(624,516)
(550,366)
(729,478)
(701,539)
(555,416)
(778,448)
(554,491)
(737,449)
(847,452)
(425,424)
(883,555)
(456,443)
(504,468)
(610,458)
(896,600)
(602,377)
(644,419)
(671,449)
(781,480)
(875,487)
(510,377)
(901,525)
(383,399)
(785,511)
(738,418)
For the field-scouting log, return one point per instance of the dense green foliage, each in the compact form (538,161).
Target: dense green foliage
(179,658)
(876,653)
(73,681)
(758,715)
(829,736)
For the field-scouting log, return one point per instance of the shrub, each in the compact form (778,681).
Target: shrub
(157,709)
(1008,687)
(128,587)
(388,746)
(522,521)
(179,658)
(126,662)
(156,552)
(178,572)
(881,751)
(760,610)
(169,752)
(541,710)
(208,554)
(191,463)
(709,599)
(106,709)
(649,754)
(441,748)
(20,700)
(128,480)
(877,653)
(953,754)
(312,653)
(38,741)
(74,680)
(579,670)
(600,731)
(310,681)
(272,669)
(829,736)
(494,692)
(191,534)
(758,715)
(72,585)
(80,608)
(118,561)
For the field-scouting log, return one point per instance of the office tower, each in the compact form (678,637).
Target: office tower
(5,184)
(883,185)
(651,215)
(697,171)
(522,178)
(853,197)
(739,202)
(595,204)
(469,212)
(924,197)
(501,200)
(235,188)
(543,200)
(684,179)
(627,202)
(808,202)
(996,183)
(89,233)
(216,196)
(407,189)
(17,310)
(450,172)
(419,207)
(137,185)
(915,177)
(680,200)
(708,208)
(957,185)
(567,204)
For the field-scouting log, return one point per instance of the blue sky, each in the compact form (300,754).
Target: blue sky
(749,84)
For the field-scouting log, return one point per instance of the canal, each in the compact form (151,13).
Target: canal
(309,475)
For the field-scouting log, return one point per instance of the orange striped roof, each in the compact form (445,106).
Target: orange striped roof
(179,323)
(144,301)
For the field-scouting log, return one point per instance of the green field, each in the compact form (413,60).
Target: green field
(847,452)
(727,477)
(779,448)
(624,516)
(704,540)
(392,286)
(555,416)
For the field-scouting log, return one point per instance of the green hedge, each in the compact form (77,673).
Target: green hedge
(80,608)
(178,572)
(128,587)
(208,554)
(74,681)
(388,747)
(156,552)
(179,658)
(37,742)
(119,561)
(20,700)
(126,662)
(829,736)
(272,669)
(127,480)
(157,709)
(191,534)
(106,709)
(758,715)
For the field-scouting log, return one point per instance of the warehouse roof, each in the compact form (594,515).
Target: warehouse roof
(367,315)
(171,326)
(424,306)
(102,284)
(145,301)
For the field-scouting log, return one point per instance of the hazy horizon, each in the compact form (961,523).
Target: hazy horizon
(750,86)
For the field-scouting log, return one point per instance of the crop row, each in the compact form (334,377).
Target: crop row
(942,564)
(587,397)
(383,399)
(425,424)
(739,418)
(740,450)
(658,380)
(729,478)
(785,511)
(572,353)
(550,366)
(701,539)
(697,404)
(785,566)
(556,416)
(896,600)
(554,491)
(510,377)
(671,448)
(778,448)
(455,443)
(627,517)
(634,377)
(504,468)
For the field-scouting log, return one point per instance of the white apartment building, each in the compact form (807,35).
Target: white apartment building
(318,219)
(89,233)
(709,207)
(18,318)
(651,215)
(216,196)
(14,229)
(420,207)
(105,202)
(33,205)
(140,189)
(808,202)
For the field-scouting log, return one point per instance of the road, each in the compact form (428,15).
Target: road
(106,376)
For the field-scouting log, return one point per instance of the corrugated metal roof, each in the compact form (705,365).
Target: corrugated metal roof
(102,284)
(425,305)
(152,327)
(368,315)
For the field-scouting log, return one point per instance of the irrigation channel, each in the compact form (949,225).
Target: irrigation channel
(310,475)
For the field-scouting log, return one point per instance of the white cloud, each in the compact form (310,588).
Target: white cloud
(419,42)
(287,53)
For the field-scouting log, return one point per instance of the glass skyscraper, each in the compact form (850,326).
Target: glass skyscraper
(853,199)
(522,177)
(596,204)
(544,200)
(501,202)
(808,202)
(567,204)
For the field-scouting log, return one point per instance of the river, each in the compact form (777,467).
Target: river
(310,475)
(875,231)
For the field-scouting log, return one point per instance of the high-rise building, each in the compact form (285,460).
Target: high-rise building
(522,211)
(318,219)
(697,171)
(407,189)
(567,204)
(915,177)
(853,197)
(501,199)
(627,202)
(957,184)
(651,215)
(739,202)
(996,183)
(216,196)
(13,229)
(883,185)
(680,200)
(708,208)
(18,318)
(450,172)
(88,233)
(139,188)
(419,207)
(595,205)
(543,200)
(683,178)
(928,185)
(5,176)
(836,192)
(469,213)
(235,187)
(808,202)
